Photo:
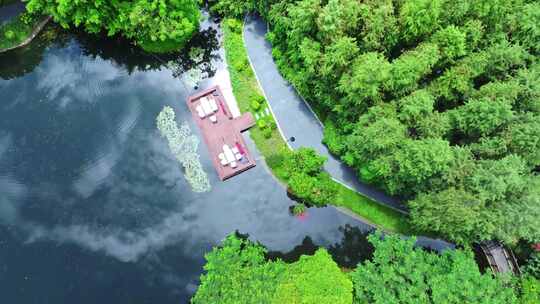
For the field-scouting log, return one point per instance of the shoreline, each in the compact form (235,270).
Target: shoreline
(37,29)
(246,84)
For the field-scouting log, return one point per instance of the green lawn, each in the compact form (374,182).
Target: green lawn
(272,146)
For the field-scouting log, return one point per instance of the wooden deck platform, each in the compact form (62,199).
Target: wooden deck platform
(227,130)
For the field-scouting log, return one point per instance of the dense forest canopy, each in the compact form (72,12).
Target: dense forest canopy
(239,272)
(435,101)
(156,25)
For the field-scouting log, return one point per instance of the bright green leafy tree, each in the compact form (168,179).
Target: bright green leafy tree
(156,25)
(400,273)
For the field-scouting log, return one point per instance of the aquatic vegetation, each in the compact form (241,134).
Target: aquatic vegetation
(183,146)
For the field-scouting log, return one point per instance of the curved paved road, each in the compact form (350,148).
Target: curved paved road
(294,116)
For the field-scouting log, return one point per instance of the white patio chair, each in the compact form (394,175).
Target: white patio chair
(213,104)
(200,112)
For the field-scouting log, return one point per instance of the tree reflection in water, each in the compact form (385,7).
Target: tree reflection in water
(351,250)
(19,62)
(199,55)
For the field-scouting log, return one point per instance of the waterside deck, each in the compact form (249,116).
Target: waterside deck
(226,130)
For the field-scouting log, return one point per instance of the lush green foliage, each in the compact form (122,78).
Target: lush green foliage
(232,8)
(400,273)
(303,170)
(239,273)
(435,101)
(314,279)
(17,30)
(397,272)
(156,25)
(532,267)
(274,148)
(530,290)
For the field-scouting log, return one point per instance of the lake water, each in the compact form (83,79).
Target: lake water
(93,207)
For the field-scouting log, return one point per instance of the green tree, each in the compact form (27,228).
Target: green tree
(415,107)
(504,57)
(413,167)
(363,84)
(457,81)
(451,42)
(379,29)
(400,273)
(337,19)
(392,78)
(419,18)
(376,134)
(306,179)
(156,25)
(304,160)
(314,279)
(337,57)
(530,290)
(528,27)
(523,138)
(462,214)
(237,272)
(407,70)
(232,8)
(480,117)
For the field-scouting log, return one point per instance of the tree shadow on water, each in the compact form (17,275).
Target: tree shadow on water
(199,53)
(21,61)
(351,250)
(307,247)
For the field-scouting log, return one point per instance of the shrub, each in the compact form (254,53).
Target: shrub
(332,139)
(304,160)
(316,190)
(275,160)
(530,290)
(298,209)
(267,133)
(9,34)
(255,105)
(261,123)
(232,8)
(272,125)
(234,25)
(533,265)
(28,19)
(240,65)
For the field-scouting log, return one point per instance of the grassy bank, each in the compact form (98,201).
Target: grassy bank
(272,145)
(17,30)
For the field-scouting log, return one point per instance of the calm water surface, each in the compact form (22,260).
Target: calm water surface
(93,207)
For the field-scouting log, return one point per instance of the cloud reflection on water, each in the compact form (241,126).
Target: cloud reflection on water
(107,182)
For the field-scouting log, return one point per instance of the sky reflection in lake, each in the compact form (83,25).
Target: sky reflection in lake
(94,208)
